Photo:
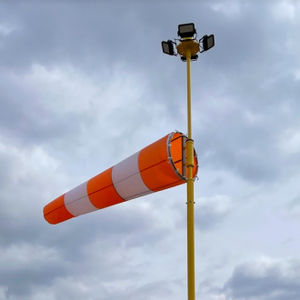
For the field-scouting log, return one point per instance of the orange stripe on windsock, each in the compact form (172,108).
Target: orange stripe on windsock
(56,212)
(156,167)
(101,190)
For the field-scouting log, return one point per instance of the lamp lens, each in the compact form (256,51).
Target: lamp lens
(165,47)
(186,30)
(189,28)
(210,41)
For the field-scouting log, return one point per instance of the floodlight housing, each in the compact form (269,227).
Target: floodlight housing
(168,47)
(193,57)
(187,30)
(208,41)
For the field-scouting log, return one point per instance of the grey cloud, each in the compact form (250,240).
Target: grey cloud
(25,265)
(255,158)
(55,39)
(117,236)
(244,98)
(210,211)
(24,117)
(265,279)
(294,203)
(109,237)
(89,288)
(255,76)
(35,254)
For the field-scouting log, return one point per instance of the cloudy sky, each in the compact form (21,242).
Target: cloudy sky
(84,85)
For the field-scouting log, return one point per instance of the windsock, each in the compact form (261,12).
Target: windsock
(158,166)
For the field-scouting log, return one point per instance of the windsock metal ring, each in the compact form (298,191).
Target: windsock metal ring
(159,166)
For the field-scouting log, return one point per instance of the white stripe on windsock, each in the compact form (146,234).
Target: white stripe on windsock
(77,201)
(127,179)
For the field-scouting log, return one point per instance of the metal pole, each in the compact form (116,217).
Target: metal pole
(190,188)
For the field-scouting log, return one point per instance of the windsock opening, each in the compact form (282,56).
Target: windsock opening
(159,166)
(178,155)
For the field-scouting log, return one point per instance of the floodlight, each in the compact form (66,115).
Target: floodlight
(208,41)
(186,30)
(193,57)
(168,47)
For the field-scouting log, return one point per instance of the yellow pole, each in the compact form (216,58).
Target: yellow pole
(190,188)
(187,48)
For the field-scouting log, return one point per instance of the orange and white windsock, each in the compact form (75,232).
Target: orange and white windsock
(158,166)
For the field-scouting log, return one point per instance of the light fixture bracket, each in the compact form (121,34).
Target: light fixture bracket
(186,46)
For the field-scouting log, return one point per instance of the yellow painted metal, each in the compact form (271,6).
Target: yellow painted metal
(190,188)
(187,48)
(188,45)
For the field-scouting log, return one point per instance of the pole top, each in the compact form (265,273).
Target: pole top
(188,45)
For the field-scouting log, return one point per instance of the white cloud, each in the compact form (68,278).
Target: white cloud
(27,257)
(285,10)
(297,75)
(26,178)
(6,29)
(66,89)
(289,141)
(293,208)
(230,8)
(3,291)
